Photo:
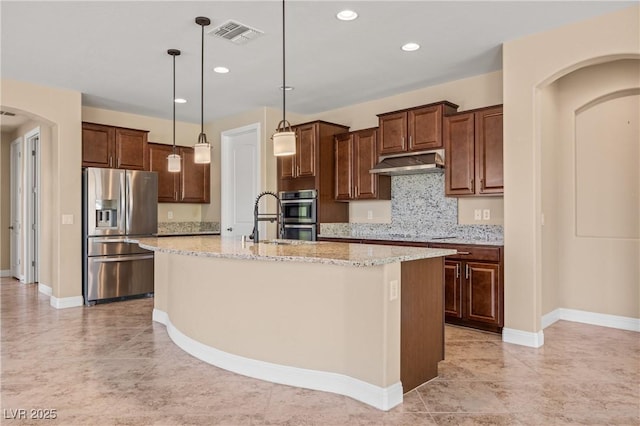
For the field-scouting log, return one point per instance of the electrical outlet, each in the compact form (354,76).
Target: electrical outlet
(477,214)
(369,214)
(486,214)
(67,219)
(169,214)
(393,290)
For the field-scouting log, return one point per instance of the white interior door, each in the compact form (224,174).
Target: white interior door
(32,206)
(16,209)
(240,173)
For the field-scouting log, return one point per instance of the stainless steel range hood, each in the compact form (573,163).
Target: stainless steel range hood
(409,164)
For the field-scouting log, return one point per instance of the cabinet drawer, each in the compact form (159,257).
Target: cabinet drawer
(471,252)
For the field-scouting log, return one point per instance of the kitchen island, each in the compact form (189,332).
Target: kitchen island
(360,320)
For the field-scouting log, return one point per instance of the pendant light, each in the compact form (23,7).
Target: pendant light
(284,139)
(173,160)
(202,149)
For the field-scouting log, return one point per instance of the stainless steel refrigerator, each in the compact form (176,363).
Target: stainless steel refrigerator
(117,204)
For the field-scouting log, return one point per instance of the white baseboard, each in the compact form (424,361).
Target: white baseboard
(593,318)
(160,316)
(524,338)
(66,302)
(381,398)
(5,273)
(45,289)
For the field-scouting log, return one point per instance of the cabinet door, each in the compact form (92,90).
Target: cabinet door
(393,133)
(97,145)
(286,166)
(459,154)
(483,292)
(167,181)
(453,288)
(306,152)
(425,128)
(131,149)
(194,179)
(343,152)
(364,158)
(489,170)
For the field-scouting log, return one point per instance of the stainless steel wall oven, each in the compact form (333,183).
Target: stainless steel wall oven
(299,214)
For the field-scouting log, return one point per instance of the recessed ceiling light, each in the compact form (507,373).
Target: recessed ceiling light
(347,15)
(180,101)
(410,47)
(221,70)
(287,88)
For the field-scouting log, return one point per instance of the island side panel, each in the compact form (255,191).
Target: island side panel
(160,273)
(422,321)
(316,316)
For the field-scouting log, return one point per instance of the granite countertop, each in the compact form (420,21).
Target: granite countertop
(186,234)
(290,250)
(417,239)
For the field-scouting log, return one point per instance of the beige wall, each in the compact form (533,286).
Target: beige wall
(60,109)
(5,199)
(160,131)
(474,92)
(590,191)
(529,65)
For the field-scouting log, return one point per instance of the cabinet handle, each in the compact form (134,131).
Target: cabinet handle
(463,252)
(466,271)
(402,140)
(481,184)
(110,161)
(356,191)
(297,170)
(410,140)
(457,270)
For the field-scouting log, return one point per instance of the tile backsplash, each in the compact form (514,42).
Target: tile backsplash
(419,209)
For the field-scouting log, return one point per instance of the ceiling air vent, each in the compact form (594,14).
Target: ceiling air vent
(236,32)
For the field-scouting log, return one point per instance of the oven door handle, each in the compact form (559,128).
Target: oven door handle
(298,226)
(302,201)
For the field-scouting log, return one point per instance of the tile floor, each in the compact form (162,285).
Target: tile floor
(111,365)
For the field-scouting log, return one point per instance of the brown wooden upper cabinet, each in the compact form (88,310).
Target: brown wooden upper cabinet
(303,163)
(356,153)
(473,152)
(413,129)
(190,185)
(114,147)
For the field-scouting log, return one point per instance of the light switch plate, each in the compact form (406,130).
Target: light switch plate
(393,290)
(67,219)
(477,214)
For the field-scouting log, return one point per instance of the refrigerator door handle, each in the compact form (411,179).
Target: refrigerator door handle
(121,258)
(109,240)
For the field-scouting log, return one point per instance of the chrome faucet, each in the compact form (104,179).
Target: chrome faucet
(271,217)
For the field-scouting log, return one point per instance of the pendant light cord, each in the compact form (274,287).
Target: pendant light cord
(202,138)
(174,104)
(284,69)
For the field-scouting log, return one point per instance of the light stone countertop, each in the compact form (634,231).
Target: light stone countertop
(292,251)
(415,239)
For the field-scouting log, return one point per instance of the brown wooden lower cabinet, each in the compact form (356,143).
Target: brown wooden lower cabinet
(473,282)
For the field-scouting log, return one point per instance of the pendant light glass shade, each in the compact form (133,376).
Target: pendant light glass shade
(173,160)
(174,163)
(284,139)
(202,149)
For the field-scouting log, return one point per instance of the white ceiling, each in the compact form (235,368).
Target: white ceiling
(115,52)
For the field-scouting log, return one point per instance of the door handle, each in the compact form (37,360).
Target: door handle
(229,229)
(11,227)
